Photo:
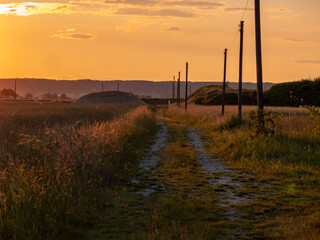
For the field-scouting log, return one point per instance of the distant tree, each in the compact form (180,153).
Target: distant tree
(64,96)
(29,96)
(8,92)
(45,96)
(49,96)
(54,96)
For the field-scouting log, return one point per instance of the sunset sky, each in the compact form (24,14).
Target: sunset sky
(152,39)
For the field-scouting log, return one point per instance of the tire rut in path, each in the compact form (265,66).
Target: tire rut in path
(146,179)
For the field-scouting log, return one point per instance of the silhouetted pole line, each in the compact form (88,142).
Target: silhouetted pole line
(258,55)
(240,72)
(224,79)
(178,90)
(15,90)
(173,89)
(186,97)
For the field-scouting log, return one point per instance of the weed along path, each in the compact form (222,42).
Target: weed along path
(179,192)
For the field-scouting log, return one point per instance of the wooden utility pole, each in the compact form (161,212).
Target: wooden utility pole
(240,72)
(173,89)
(186,97)
(178,91)
(15,90)
(224,79)
(258,55)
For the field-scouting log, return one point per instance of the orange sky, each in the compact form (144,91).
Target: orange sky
(152,39)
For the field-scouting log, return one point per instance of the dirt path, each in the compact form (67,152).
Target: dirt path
(180,192)
(147,181)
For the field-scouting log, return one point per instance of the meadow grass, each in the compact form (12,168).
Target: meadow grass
(62,163)
(188,209)
(185,209)
(288,161)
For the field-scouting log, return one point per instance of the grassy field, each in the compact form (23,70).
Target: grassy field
(288,161)
(62,163)
(70,171)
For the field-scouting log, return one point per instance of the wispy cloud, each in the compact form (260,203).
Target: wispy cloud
(292,39)
(133,2)
(194,3)
(72,34)
(173,29)
(289,39)
(149,8)
(251,9)
(308,61)
(156,12)
(236,9)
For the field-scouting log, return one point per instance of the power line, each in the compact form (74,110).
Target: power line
(234,39)
(245,9)
(243,14)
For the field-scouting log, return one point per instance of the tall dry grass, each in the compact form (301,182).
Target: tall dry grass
(61,163)
(294,143)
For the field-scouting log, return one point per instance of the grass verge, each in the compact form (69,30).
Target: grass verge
(288,161)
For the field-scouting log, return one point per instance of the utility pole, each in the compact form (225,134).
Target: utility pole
(258,55)
(15,90)
(240,72)
(224,79)
(173,89)
(178,91)
(186,98)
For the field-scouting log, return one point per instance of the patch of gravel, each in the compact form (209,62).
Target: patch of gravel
(152,158)
(222,179)
(150,162)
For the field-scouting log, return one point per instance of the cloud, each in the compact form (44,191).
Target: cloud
(240,9)
(133,2)
(236,9)
(173,29)
(194,3)
(291,39)
(278,9)
(308,61)
(71,34)
(166,3)
(149,8)
(285,16)
(155,12)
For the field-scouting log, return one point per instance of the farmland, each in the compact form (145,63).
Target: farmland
(72,171)
(61,163)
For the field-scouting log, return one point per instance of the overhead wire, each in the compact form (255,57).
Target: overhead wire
(236,35)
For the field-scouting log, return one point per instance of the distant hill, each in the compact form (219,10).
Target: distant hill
(294,94)
(79,88)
